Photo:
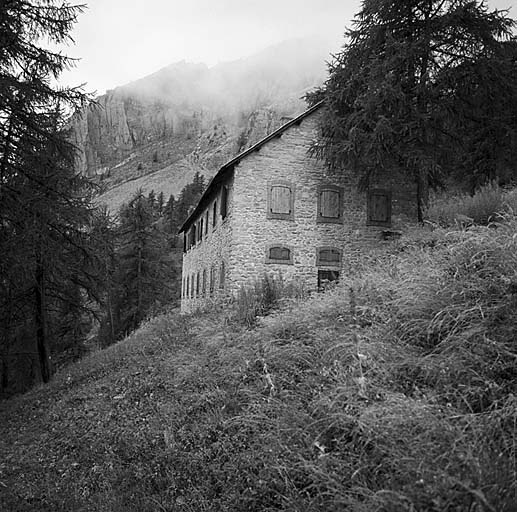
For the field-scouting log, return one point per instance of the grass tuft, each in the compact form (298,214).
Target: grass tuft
(394,391)
(486,205)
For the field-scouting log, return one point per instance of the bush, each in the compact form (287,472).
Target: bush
(485,206)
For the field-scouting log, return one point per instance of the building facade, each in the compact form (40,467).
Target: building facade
(275,210)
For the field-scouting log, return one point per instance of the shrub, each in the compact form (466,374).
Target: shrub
(485,206)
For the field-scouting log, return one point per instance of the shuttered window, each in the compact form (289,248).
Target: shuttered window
(379,207)
(222,276)
(280,201)
(193,235)
(279,254)
(328,257)
(330,204)
(192,290)
(212,280)
(204,283)
(207,222)
(214,219)
(201,229)
(224,202)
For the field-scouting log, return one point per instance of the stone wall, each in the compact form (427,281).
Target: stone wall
(286,159)
(209,256)
(243,240)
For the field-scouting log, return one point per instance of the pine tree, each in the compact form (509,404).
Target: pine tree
(160,203)
(392,103)
(144,275)
(103,236)
(43,204)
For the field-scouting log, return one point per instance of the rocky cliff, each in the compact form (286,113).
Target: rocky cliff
(158,131)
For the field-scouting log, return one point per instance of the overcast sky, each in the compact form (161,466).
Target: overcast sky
(123,40)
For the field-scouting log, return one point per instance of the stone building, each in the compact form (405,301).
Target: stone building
(273,209)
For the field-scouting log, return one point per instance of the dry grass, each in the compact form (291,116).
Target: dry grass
(392,392)
(488,204)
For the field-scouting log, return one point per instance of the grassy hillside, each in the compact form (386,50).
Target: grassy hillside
(394,392)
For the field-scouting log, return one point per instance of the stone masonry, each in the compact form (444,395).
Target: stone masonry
(235,252)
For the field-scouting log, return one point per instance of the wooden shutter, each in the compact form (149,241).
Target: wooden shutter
(280,199)
(379,207)
(330,204)
(212,280)
(279,253)
(222,276)
(329,256)
(193,240)
(224,202)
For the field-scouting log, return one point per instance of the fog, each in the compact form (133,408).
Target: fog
(119,41)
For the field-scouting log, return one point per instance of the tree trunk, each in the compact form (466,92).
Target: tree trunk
(138,289)
(40,320)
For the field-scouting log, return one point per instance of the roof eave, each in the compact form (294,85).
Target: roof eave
(230,165)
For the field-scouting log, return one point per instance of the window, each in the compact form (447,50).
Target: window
(222,276)
(193,235)
(328,257)
(187,291)
(280,200)
(198,278)
(192,291)
(203,289)
(224,201)
(214,219)
(330,204)
(201,229)
(279,254)
(207,222)
(212,280)
(379,207)
(325,277)
(184,241)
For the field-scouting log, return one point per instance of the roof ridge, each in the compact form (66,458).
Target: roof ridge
(243,154)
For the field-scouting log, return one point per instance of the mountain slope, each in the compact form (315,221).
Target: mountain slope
(188,117)
(398,396)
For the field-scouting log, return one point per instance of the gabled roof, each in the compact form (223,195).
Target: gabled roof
(228,167)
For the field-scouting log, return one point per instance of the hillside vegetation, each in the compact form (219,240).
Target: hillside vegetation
(395,391)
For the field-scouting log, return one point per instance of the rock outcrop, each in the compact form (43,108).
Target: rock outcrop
(188,117)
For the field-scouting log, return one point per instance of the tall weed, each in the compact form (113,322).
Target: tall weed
(260,297)
(485,206)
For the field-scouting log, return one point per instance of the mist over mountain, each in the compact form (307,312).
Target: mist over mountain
(158,131)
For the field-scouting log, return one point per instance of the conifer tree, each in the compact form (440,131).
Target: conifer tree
(393,100)
(103,235)
(43,203)
(144,275)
